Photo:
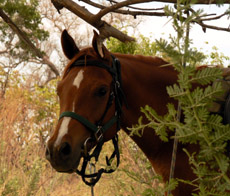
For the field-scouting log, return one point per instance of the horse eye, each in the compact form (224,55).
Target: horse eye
(102,91)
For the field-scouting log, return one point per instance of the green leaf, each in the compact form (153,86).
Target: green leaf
(207,75)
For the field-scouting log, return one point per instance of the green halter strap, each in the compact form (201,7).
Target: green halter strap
(98,131)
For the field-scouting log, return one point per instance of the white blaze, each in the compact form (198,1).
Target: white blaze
(66,120)
(63,130)
(78,78)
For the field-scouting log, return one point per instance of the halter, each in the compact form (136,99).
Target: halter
(97,130)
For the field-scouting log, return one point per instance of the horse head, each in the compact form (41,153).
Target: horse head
(87,104)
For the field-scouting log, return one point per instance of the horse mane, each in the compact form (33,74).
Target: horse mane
(90,52)
(153,61)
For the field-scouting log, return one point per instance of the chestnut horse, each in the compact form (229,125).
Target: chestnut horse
(85,90)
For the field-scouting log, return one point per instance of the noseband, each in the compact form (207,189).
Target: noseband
(98,129)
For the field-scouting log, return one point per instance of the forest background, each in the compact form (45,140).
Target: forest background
(29,106)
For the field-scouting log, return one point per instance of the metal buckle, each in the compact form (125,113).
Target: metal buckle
(99,134)
(86,153)
(118,84)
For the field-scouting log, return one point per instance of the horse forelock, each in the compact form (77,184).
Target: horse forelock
(83,54)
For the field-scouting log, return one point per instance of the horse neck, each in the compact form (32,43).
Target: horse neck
(144,83)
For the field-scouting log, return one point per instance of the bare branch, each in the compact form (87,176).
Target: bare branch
(117,6)
(145,12)
(208,2)
(137,8)
(105,29)
(216,17)
(212,27)
(200,21)
(3,51)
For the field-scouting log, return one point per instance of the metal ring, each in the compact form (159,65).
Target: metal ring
(85,146)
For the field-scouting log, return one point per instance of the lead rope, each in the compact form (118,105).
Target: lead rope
(92,166)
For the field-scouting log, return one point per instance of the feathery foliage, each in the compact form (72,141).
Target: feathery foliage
(195,92)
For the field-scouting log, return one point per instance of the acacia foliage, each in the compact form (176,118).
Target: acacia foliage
(211,163)
(143,46)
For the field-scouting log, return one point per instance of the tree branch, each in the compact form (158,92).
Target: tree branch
(105,29)
(145,12)
(216,17)
(3,51)
(137,8)
(200,21)
(116,6)
(212,27)
(22,36)
(208,2)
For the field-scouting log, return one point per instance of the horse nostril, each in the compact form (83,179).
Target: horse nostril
(65,149)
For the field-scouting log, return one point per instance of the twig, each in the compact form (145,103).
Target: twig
(217,17)
(127,12)
(117,6)
(212,27)
(106,30)
(137,8)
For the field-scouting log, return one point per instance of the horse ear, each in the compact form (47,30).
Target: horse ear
(98,46)
(69,47)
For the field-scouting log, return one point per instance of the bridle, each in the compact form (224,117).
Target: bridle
(98,129)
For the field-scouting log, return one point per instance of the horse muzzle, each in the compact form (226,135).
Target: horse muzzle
(63,158)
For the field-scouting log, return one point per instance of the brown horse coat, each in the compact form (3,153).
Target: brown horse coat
(144,83)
